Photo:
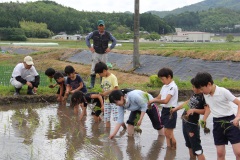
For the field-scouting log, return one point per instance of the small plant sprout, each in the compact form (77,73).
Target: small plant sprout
(146,98)
(137,128)
(226,125)
(203,125)
(186,107)
(96,108)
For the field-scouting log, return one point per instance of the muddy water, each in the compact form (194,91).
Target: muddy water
(49,131)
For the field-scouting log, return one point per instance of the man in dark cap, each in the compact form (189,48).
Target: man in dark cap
(100,47)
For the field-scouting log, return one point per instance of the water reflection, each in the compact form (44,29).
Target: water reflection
(43,131)
(25,122)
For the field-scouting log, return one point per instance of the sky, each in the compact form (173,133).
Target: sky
(119,5)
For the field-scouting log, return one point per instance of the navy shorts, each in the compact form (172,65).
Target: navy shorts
(224,132)
(169,121)
(193,142)
(152,113)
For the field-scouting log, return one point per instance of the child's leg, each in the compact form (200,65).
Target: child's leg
(83,113)
(236,150)
(130,129)
(107,114)
(132,120)
(96,119)
(192,156)
(221,152)
(171,141)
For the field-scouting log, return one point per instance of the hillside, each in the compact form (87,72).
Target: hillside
(204,5)
(65,19)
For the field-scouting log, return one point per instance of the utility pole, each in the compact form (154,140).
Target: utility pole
(136,62)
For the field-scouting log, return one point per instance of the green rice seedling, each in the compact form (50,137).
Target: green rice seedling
(204,126)
(146,99)
(87,141)
(186,108)
(102,135)
(137,128)
(96,108)
(224,124)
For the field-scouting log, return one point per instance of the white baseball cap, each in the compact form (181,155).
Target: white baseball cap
(28,60)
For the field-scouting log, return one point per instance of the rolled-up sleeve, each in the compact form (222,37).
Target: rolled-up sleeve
(87,39)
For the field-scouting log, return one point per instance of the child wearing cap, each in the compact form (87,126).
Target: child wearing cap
(25,73)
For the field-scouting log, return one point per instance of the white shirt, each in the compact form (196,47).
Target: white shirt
(219,102)
(171,89)
(20,70)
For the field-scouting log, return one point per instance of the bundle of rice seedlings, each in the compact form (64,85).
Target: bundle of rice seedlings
(146,98)
(204,126)
(136,127)
(186,107)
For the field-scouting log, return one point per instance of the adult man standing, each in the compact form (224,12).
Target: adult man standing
(25,73)
(100,47)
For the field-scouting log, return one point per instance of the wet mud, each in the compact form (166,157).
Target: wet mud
(50,131)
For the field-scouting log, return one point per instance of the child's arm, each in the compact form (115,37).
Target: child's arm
(52,86)
(159,100)
(79,88)
(207,112)
(198,111)
(237,118)
(61,91)
(117,127)
(100,99)
(67,91)
(141,118)
(179,107)
(109,91)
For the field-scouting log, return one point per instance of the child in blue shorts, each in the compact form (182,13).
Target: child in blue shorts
(190,117)
(168,98)
(225,123)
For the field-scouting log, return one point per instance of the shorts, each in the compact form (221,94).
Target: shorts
(168,121)
(96,109)
(222,133)
(193,142)
(108,109)
(153,114)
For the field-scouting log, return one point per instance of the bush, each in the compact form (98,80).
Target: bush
(12,34)
(155,81)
